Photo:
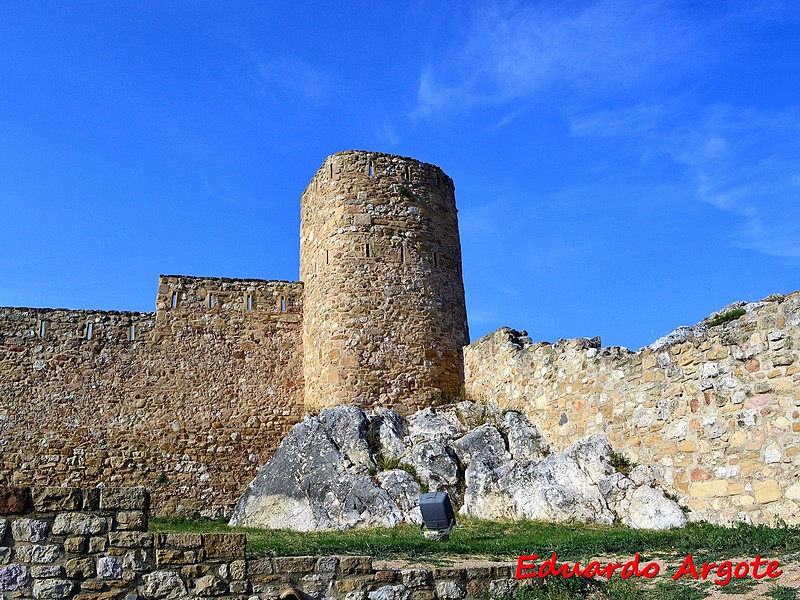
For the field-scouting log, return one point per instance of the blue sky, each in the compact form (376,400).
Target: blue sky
(621,167)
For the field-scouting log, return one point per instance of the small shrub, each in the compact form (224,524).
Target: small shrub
(621,463)
(726,317)
(161,478)
(404,191)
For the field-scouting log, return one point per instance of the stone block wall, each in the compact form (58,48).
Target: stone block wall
(380,258)
(188,401)
(94,544)
(718,411)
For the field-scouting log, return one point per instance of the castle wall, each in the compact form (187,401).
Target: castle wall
(188,401)
(718,413)
(91,544)
(380,258)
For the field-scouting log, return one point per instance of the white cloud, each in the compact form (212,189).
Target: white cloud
(300,81)
(515,52)
(744,162)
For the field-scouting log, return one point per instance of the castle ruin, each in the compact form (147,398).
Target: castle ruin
(190,400)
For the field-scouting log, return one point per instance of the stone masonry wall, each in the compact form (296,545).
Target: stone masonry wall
(380,258)
(718,412)
(188,401)
(94,544)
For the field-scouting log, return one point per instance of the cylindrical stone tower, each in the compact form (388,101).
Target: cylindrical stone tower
(384,314)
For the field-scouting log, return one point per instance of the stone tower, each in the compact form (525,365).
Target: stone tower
(380,257)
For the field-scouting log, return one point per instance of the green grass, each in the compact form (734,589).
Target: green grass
(507,540)
(725,317)
(780,592)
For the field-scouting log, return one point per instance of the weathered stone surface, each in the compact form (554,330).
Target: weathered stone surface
(117,498)
(436,466)
(390,429)
(390,592)
(139,559)
(224,545)
(14,577)
(450,590)
(47,571)
(130,539)
(80,568)
(79,524)
(109,567)
(52,588)
(29,530)
(209,585)
(45,554)
(434,424)
(160,585)
(687,406)
(309,483)
(57,498)
(15,500)
(131,520)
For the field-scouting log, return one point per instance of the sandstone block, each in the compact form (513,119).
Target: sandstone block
(350,565)
(57,498)
(415,577)
(224,545)
(259,568)
(75,545)
(134,498)
(715,488)
(766,491)
(293,564)
(175,557)
(80,568)
(131,520)
(130,539)
(208,585)
(183,540)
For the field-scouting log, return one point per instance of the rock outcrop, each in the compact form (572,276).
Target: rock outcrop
(344,468)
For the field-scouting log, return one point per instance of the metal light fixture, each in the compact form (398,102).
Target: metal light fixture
(437,514)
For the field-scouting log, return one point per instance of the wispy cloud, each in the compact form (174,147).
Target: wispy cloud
(744,162)
(514,52)
(299,80)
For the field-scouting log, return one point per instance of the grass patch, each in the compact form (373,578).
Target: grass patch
(780,592)
(726,317)
(506,540)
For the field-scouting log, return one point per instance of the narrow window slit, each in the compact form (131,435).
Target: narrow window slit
(331,170)
(88,331)
(43,328)
(174,301)
(366,250)
(436,259)
(283,304)
(211,300)
(327,257)
(132,334)
(402,253)
(249,302)
(371,169)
